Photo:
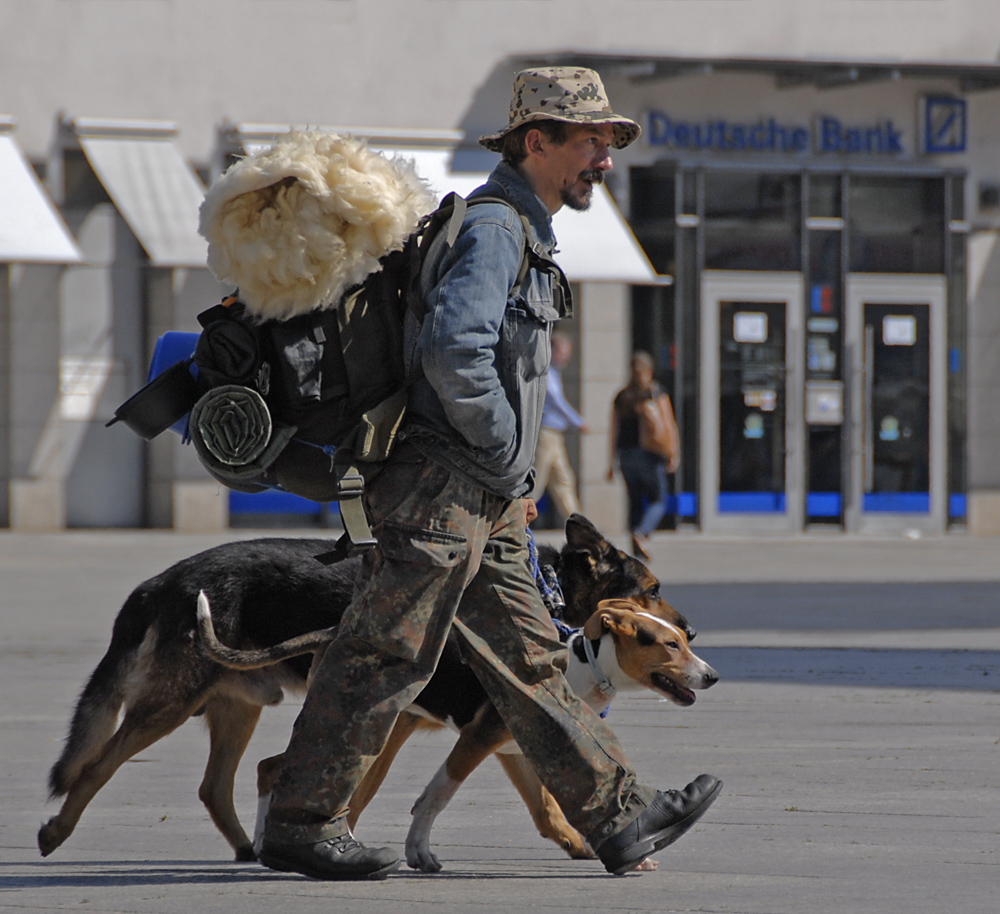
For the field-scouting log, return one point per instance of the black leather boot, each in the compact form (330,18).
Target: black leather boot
(668,817)
(338,857)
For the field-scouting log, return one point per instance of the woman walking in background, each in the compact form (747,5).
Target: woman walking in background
(646,445)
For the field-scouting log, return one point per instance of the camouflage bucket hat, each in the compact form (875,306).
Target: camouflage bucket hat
(572,94)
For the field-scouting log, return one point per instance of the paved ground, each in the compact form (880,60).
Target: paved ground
(856,728)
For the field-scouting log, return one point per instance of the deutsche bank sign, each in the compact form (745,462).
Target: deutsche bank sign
(829,135)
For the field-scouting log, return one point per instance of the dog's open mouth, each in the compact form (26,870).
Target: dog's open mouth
(672,690)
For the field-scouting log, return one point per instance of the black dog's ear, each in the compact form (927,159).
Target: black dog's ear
(685,626)
(583,536)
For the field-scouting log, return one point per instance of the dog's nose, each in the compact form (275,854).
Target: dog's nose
(710,678)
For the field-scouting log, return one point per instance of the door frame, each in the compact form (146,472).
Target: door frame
(751,286)
(901,289)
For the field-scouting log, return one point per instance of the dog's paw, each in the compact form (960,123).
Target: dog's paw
(245,854)
(421,858)
(647,866)
(50,836)
(572,842)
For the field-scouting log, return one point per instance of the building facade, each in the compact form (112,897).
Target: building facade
(822,223)
(804,237)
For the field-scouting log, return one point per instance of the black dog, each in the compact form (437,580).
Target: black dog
(263,592)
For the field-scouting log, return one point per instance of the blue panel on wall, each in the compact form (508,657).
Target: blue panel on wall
(683,504)
(751,502)
(897,502)
(823,504)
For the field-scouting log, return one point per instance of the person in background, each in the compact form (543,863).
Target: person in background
(553,473)
(642,467)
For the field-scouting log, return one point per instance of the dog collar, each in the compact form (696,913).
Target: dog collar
(603,683)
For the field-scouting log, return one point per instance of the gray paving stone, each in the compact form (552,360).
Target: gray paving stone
(860,758)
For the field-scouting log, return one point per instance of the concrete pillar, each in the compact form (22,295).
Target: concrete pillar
(200,507)
(604,347)
(4,395)
(101,341)
(984,513)
(159,451)
(984,380)
(36,443)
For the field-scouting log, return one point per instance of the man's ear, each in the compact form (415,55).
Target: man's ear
(535,142)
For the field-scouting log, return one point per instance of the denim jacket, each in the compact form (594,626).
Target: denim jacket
(483,349)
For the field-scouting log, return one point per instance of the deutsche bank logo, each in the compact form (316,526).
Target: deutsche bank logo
(943,124)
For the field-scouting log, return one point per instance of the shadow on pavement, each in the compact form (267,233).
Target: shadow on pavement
(837,606)
(906,669)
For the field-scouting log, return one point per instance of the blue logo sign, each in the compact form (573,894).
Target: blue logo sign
(943,125)
(767,135)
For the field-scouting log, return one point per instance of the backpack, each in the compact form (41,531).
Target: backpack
(296,404)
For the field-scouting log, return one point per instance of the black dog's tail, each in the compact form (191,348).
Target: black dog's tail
(95,716)
(237,659)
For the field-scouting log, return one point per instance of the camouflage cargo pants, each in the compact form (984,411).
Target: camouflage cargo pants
(449,554)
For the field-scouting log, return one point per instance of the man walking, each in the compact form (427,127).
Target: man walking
(553,473)
(447,511)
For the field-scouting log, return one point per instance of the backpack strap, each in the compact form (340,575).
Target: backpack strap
(532,255)
(350,487)
(460,205)
(449,217)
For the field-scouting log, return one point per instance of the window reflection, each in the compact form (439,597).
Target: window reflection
(752,221)
(896,225)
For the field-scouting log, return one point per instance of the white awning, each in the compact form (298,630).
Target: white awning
(31,229)
(598,245)
(250,137)
(431,164)
(155,190)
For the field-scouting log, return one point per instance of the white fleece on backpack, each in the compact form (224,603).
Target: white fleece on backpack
(298,224)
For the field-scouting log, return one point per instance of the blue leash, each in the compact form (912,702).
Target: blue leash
(547,583)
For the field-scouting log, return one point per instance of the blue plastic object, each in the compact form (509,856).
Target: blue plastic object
(171,348)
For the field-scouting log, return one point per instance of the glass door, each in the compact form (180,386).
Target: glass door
(896,327)
(751,427)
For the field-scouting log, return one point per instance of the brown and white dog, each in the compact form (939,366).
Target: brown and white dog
(624,646)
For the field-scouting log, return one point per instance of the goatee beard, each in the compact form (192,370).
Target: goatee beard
(581,202)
